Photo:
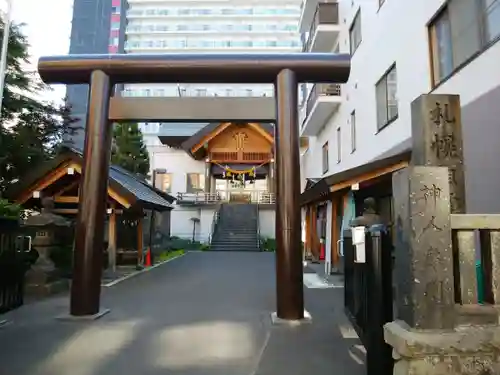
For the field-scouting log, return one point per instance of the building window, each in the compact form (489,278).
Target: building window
(325,157)
(353,131)
(195,183)
(387,100)
(491,11)
(339,146)
(355,32)
(459,31)
(164,182)
(115,9)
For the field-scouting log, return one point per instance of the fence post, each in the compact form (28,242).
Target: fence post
(348,272)
(379,304)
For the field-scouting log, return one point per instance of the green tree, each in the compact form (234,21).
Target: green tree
(129,150)
(32,130)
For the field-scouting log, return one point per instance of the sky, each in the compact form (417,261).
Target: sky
(48,28)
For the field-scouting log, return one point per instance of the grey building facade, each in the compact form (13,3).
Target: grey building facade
(95,24)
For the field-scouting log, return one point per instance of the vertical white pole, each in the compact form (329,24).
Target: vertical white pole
(5,46)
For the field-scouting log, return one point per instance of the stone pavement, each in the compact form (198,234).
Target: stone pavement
(205,313)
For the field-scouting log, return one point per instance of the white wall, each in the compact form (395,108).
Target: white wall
(267,223)
(177,162)
(395,33)
(206,219)
(181,224)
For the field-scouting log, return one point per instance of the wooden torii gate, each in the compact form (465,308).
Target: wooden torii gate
(102,72)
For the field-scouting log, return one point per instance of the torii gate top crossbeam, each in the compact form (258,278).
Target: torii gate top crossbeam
(195,68)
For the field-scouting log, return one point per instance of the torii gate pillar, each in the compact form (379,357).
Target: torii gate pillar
(285,71)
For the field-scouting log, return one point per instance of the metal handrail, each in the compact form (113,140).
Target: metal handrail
(321,89)
(321,16)
(215,220)
(220,196)
(258,228)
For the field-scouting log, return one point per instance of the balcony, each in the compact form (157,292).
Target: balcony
(324,30)
(224,196)
(323,101)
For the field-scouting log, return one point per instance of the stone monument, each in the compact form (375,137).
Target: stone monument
(42,278)
(433,334)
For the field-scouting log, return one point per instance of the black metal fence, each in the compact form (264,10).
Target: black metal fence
(368,296)
(14,263)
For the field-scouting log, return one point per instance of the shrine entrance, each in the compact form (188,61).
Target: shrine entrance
(102,72)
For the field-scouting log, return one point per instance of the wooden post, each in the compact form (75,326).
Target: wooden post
(314,232)
(112,239)
(140,241)
(307,242)
(208,180)
(334,256)
(289,268)
(89,227)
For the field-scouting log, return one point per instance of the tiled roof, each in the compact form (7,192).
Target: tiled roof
(135,185)
(141,189)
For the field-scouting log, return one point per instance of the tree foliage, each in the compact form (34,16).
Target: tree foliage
(32,129)
(129,150)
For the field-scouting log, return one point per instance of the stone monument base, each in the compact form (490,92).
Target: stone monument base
(285,322)
(83,318)
(46,289)
(467,350)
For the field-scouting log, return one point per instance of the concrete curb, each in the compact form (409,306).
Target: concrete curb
(134,274)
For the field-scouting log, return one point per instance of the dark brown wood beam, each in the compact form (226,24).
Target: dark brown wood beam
(192,109)
(196,68)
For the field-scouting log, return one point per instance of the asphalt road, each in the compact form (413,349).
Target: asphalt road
(205,313)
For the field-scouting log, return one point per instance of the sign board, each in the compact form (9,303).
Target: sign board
(358,240)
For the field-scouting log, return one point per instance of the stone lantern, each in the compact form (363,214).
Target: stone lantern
(41,278)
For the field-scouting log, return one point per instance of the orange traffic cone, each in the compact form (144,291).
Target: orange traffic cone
(148,258)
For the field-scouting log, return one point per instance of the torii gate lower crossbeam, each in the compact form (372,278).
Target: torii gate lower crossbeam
(285,71)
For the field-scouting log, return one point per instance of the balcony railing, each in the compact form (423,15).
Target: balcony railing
(321,89)
(239,157)
(223,196)
(326,14)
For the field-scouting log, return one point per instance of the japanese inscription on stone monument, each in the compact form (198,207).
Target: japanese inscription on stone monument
(441,141)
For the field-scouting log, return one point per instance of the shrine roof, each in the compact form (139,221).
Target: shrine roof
(133,187)
(387,162)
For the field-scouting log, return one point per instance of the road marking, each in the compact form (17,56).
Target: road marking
(313,281)
(133,274)
(356,359)
(347,331)
(261,353)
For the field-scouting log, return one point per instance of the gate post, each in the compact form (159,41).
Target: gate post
(379,302)
(89,238)
(289,268)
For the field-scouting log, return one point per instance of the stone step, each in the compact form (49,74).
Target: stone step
(231,243)
(234,248)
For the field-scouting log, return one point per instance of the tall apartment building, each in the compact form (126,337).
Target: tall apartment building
(400,50)
(209,26)
(236,26)
(98,27)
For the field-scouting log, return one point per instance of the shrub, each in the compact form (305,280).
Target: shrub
(9,210)
(268,244)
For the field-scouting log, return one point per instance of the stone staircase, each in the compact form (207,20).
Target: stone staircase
(237,228)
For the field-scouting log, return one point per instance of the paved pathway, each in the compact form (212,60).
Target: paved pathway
(205,313)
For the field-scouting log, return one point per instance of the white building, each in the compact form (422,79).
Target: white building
(227,26)
(400,50)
